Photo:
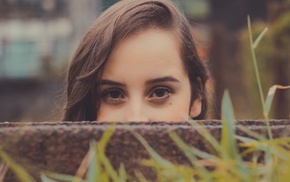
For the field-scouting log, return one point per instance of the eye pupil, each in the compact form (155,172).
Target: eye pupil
(160,92)
(114,94)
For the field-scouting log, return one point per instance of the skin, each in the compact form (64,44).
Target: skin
(145,80)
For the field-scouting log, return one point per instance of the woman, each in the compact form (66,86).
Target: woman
(138,62)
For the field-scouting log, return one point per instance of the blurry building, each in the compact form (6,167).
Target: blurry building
(37,39)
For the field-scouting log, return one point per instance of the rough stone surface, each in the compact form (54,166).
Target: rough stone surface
(61,146)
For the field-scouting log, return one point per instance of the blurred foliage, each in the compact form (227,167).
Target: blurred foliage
(195,8)
(281,33)
(264,55)
(273,48)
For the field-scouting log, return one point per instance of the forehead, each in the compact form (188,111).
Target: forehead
(148,50)
(170,33)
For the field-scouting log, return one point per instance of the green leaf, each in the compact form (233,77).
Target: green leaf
(140,177)
(245,139)
(270,97)
(93,170)
(185,149)
(109,168)
(188,152)
(62,177)
(259,38)
(19,171)
(252,133)
(105,139)
(122,173)
(152,153)
(44,178)
(228,142)
(101,146)
(206,134)
(255,64)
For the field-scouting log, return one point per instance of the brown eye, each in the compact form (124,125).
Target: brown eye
(160,94)
(113,96)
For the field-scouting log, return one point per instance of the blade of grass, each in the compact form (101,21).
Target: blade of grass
(245,139)
(200,154)
(206,134)
(108,167)
(151,152)
(61,177)
(268,104)
(19,171)
(228,142)
(94,166)
(259,38)
(101,146)
(105,139)
(83,167)
(270,97)
(3,170)
(252,133)
(255,63)
(187,151)
(122,173)
(140,177)
(44,178)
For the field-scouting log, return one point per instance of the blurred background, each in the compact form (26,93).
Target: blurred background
(38,38)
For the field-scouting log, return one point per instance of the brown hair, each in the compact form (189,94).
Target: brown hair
(121,20)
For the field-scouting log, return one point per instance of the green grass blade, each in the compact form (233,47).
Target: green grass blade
(94,168)
(140,177)
(122,173)
(151,152)
(194,151)
(187,151)
(270,97)
(268,104)
(206,134)
(245,139)
(3,170)
(259,38)
(228,142)
(62,177)
(19,171)
(44,178)
(108,167)
(105,139)
(101,146)
(255,64)
(252,133)
(202,154)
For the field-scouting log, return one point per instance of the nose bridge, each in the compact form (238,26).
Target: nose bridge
(136,110)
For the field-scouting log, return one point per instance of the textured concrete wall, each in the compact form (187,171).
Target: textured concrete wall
(61,146)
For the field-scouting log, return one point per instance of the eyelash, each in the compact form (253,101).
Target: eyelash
(154,99)
(106,98)
(161,99)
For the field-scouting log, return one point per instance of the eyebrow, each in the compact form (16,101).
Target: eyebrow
(148,82)
(111,82)
(162,79)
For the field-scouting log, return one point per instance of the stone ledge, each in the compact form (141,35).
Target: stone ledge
(61,146)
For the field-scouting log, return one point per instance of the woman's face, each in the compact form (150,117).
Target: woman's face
(144,80)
